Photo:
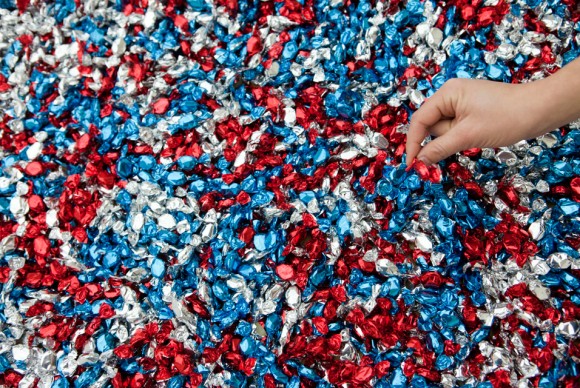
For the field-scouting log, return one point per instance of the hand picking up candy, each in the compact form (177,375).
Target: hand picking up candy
(469,113)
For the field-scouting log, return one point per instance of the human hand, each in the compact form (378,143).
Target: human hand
(468,113)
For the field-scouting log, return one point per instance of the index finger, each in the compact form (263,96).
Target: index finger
(430,113)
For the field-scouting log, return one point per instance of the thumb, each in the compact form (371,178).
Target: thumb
(441,148)
(440,106)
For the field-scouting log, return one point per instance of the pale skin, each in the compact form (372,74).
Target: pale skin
(466,113)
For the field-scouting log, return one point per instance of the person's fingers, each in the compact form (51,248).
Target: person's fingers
(414,145)
(442,147)
(434,109)
(441,128)
(415,137)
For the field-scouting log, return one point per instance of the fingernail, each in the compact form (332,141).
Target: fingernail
(424,160)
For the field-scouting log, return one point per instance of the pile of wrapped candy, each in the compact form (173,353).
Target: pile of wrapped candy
(213,193)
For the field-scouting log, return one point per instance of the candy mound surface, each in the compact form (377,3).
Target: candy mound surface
(212,193)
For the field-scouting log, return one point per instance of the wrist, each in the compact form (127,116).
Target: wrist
(539,112)
(558,97)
